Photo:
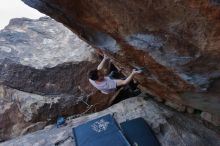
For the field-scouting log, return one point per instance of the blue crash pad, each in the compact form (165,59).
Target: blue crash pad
(139,133)
(103,131)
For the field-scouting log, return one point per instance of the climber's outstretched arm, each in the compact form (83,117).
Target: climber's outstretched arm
(128,79)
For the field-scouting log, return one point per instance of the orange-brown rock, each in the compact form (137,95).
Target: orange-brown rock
(177,41)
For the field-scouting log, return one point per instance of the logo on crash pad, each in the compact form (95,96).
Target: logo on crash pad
(100,125)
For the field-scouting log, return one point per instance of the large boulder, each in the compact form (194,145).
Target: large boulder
(43,56)
(176,41)
(43,74)
(170,127)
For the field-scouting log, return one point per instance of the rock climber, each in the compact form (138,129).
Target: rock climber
(105,83)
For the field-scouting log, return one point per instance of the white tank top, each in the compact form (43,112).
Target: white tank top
(107,86)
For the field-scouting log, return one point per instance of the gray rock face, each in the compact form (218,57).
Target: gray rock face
(43,74)
(32,53)
(42,43)
(171,128)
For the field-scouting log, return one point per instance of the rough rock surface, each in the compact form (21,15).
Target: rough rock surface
(41,43)
(43,56)
(23,112)
(43,74)
(177,41)
(170,127)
